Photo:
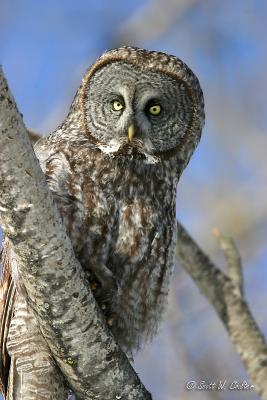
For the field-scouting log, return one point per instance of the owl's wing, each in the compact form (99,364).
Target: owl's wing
(7,297)
(28,367)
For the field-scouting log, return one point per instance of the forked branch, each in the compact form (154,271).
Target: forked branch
(225,293)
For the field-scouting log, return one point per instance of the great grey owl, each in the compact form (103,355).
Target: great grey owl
(113,166)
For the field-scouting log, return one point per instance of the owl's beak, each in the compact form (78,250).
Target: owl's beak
(131,132)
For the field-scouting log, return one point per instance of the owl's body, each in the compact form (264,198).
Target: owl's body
(113,167)
(120,216)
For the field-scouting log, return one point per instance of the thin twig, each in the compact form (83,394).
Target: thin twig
(233,259)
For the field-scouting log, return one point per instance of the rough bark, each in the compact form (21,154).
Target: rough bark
(67,313)
(225,294)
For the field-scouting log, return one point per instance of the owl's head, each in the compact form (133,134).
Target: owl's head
(135,101)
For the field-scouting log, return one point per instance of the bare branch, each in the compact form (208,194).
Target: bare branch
(224,294)
(232,258)
(67,313)
(201,269)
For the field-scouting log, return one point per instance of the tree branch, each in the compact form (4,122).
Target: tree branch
(225,293)
(57,291)
(233,260)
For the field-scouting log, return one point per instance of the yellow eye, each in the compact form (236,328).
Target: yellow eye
(117,105)
(155,110)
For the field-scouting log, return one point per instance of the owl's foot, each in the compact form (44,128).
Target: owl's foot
(109,284)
